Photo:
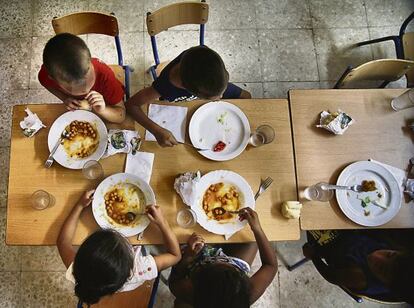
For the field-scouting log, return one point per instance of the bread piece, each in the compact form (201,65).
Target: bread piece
(291,209)
(84,105)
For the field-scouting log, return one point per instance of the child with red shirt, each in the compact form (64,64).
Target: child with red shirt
(69,72)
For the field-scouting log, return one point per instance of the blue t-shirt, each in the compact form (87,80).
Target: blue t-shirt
(171,93)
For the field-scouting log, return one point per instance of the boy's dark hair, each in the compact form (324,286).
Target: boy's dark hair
(66,57)
(220,286)
(102,265)
(402,284)
(202,72)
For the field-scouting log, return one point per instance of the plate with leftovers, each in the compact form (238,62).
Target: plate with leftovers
(378,199)
(85,138)
(221,127)
(119,203)
(220,195)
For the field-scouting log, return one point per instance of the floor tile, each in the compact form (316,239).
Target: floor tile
(5,125)
(13,97)
(281,89)
(104,48)
(41,96)
(338,14)
(290,252)
(128,12)
(288,55)
(9,255)
(283,14)
(385,49)
(270,297)
(239,50)
(16,18)
(38,44)
(164,298)
(45,10)
(335,50)
(388,13)
(46,289)
(255,88)
(10,289)
(222,15)
(4,174)
(41,259)
(15,63)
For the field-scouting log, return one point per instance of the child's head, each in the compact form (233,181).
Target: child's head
(203,73)
(102,265)
(220,285)
(68,61)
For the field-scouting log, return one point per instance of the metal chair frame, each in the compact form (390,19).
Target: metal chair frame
(155,48)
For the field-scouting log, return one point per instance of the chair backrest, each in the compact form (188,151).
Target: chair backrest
(85,23)
(408,43)
(177,14)
(384,69)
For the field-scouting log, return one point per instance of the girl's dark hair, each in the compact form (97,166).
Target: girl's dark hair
(220,285)
(102,265)
(202,72)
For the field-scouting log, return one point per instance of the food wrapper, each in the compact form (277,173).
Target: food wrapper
(122,141)
(31,124)
(336,122)
(409,188)
(185,185)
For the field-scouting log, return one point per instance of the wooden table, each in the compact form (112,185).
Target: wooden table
(26,226)
(378,133)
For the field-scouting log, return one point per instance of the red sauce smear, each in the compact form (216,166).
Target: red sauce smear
(219,146)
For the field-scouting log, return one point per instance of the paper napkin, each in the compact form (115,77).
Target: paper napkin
(398,173)
(172,118)
(140,164)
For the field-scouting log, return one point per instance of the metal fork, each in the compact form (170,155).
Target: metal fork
(264,184)
(190,145)
(50,159)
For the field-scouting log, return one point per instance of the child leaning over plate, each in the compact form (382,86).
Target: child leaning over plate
(106,262)
(208,277)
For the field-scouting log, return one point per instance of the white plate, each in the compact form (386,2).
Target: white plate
(98,203)
(59,125)
(386,185)
(246,200)
(219,121)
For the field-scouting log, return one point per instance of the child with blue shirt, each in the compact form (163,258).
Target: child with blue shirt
(198,72)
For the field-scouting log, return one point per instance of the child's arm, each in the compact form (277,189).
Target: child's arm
(173,254)
(113,113)
(145,96)
(264,276)
(64,242)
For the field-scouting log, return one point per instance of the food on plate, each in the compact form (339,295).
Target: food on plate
(368,185)
(82,139)
(124,204)
(221,201)
(219,146)
(291,209)
(84,105)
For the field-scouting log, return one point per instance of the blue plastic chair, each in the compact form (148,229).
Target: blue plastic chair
(96,23)
(172,15)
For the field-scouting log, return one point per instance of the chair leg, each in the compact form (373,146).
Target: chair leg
(339,82)
(127,83)
(378,40)
(297,264)
(153,72)
(354,297)
(384,84)
(154,292)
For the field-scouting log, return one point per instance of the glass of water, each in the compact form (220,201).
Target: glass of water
(316,193)
(264,134)
(92,170)
(404,101)
(186,218)
(41,200)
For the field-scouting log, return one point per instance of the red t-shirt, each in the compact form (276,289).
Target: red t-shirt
(105,83)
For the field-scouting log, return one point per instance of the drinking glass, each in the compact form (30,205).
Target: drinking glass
(264,134)
(404,101)
(186,218)
(316,193)
(41,200)
(92,170)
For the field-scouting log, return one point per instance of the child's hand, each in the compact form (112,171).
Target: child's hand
(86,198)
(195,244)
(71,103)
(165,138)
(252,218)
(154,214)
(96,100)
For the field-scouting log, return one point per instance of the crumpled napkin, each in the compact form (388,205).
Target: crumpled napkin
(31,124)
(186,186)
(335,122)
(140,164)
(172,118)
(122,141)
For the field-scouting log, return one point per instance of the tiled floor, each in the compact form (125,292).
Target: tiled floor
(268,46)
